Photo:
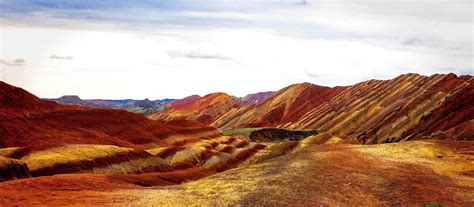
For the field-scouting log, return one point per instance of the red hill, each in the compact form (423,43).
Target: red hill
(26,120)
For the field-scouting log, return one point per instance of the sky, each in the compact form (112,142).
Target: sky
(116,49)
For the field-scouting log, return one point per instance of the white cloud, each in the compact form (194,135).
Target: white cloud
(10,65)
(15,62)
(196,54)
(58,57)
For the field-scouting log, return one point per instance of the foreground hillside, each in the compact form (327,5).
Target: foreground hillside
(408,173)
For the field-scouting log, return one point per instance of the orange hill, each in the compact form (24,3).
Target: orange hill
(285,106)
(407,107)
(204,110)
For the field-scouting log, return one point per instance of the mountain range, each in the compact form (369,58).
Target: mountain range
(144,106)
(407,107)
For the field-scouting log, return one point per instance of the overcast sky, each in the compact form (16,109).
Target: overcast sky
(170,49)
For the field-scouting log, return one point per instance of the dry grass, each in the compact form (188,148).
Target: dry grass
(390,174)
(113,159)
(442,159)
(93,159)
(273,150)
(70,154)
(157,151)
(9,151)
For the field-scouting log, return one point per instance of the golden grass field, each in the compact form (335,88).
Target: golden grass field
(406,173)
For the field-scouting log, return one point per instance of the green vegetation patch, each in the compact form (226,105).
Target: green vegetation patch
(432,205)
(240,131)
(271,134)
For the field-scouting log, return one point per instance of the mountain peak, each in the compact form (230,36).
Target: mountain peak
(70,97)
(259,97)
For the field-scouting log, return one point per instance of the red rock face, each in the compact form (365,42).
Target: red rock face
(26,120)
(453,120)
(204,110)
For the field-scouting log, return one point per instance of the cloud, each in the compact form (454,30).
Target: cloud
(311,74)
(204,56)
(196,54)
(61,57)
(303,2)
(411,42)
(12,63)
(15,62)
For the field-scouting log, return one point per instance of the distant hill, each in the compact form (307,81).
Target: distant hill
(145,107)
(255,98)
(184,101)
(203,109)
